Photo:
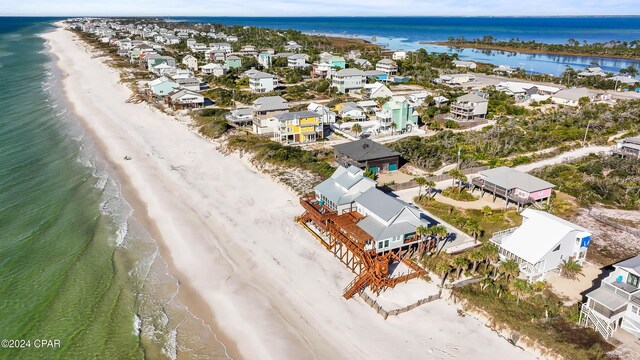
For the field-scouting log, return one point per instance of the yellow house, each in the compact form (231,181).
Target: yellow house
(298,127)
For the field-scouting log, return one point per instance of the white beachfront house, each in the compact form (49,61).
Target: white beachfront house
(465,64)
(214,69)
(391,223)
(347,80)
(191,62)
(615,305)
(327,117)
(542,243)
(376,90)
(387,66)
(262,82)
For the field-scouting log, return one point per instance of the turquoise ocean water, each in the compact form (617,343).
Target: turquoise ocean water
(74,266)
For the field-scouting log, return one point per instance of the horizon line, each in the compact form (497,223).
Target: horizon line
(326,16)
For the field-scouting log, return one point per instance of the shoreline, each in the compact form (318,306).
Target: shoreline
(186,294)
(524,51)
(228,232)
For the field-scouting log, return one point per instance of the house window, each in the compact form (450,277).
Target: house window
(386,243)
(380,244)
(634,309)
(632,280)
(557,248)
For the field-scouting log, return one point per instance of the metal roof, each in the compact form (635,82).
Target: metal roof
(510,178)
(268,103)
(297,115)
(471,98)
(607,298)
(365,149)
(632,264)
(379,203)
(539,233)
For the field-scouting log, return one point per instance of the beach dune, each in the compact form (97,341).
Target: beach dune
(265,286)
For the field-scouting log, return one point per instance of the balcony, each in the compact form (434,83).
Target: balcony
(316,211)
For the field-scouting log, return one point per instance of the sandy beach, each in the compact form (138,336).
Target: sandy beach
(268,290)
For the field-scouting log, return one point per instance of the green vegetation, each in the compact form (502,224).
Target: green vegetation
(460,195)
(603,179)
(621,49)
(532,310)
(225,98)
(482,222)
(268,151)
(211,122)
(535,311)
(520,135)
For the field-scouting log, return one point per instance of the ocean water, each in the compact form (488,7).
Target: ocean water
(406,33)
(74,265)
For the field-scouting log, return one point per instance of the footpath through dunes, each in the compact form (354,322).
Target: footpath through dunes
(271,291)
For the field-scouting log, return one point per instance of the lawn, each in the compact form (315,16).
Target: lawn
(488,222)
(459,195)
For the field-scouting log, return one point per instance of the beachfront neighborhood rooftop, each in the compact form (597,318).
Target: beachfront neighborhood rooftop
(400,158)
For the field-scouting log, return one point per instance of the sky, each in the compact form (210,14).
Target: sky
(318,7)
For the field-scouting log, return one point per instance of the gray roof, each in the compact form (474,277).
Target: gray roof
(350,72)
(607,298)
(572,94)
(381,204)
(630,264)
(374,73)
(509,178)
(336,188)
(386,61)
(632,140)
(365,149)
(296,115)
(233,57)
(268,103)
(388,208)
(473,98)
(261,75)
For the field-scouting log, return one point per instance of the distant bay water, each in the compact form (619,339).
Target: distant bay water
(406,33)
(74,265)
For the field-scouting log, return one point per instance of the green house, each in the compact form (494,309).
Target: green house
(233,62)
(398,110)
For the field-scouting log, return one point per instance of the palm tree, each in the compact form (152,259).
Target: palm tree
(509,269)
(439,232)
(570,269)
(457,175)
(394,126)
(430,186)
(422,231)
(476,256)
(484,283)
(356,129)
(472,228)
(460,263)
(421,182)
(519,288)
(486,211)
(443,267)
(490,252)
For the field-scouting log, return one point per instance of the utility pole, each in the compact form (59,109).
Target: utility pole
(458,166)
(584,142)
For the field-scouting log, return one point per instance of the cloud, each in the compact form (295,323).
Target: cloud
(319,8)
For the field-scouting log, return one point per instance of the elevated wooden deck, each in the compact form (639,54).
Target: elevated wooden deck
(356,249)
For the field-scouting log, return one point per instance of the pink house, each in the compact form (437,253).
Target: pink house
(512,185)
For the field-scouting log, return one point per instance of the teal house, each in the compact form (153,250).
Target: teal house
(338,62)
(399,112)
(233,62)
